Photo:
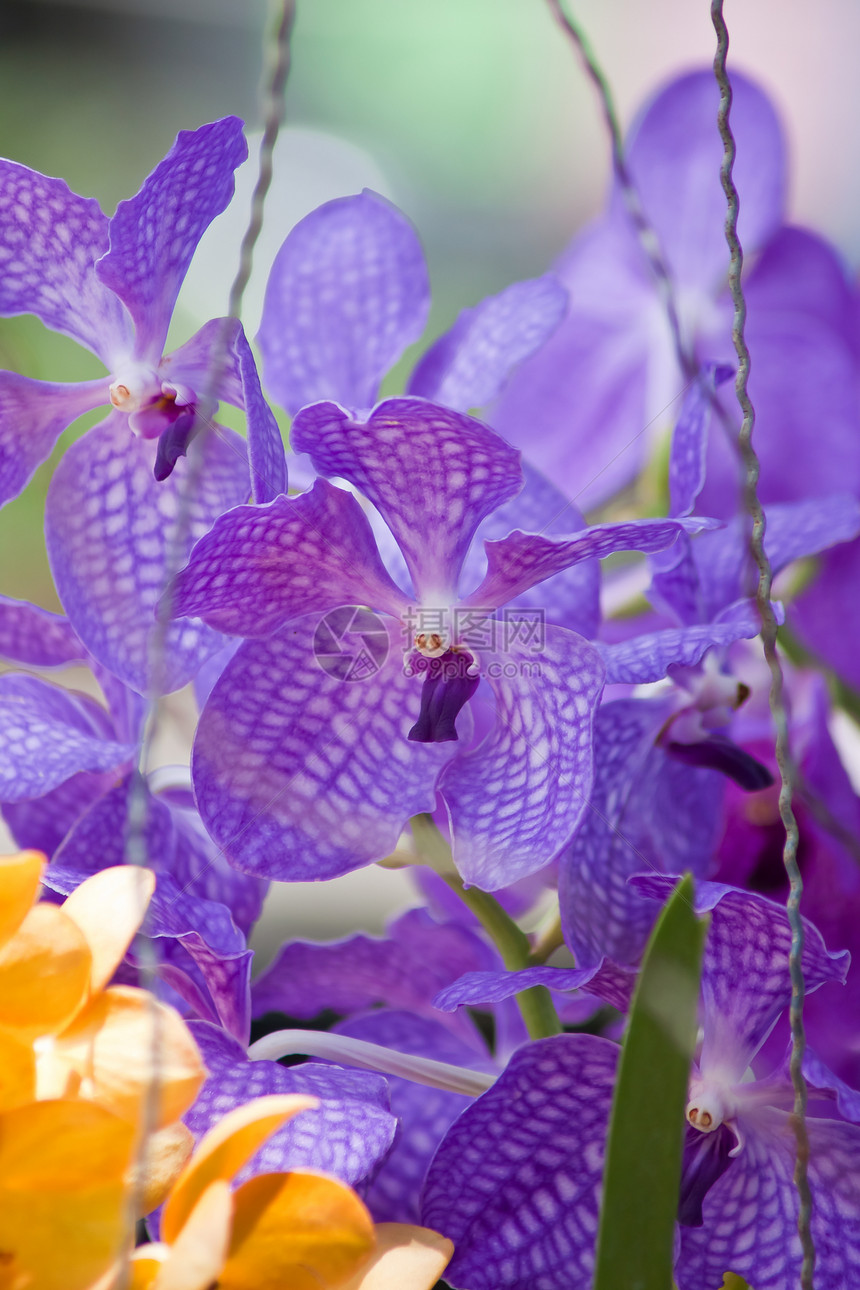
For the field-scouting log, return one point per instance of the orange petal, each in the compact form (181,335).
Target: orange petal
(145,1265)
(167,1153)
(109,907)
(405,1258)
(197,1255)
(44,973)
(63,1203)
(17,1072)
(223,1151)
(20,876)
(124,1041)
(300,1230)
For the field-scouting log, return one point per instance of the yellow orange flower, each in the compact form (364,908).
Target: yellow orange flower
(63,1031)
(301,1229)
(63,1193)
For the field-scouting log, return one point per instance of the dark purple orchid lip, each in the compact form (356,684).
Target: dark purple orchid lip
(719,753)
(706,1158)
(451,681)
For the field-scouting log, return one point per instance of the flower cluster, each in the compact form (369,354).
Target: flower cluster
(412,654)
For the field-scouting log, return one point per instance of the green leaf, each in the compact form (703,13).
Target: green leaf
(642,1173)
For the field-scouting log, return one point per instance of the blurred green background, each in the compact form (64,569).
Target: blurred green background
(473,115)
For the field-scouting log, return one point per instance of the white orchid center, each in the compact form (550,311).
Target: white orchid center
(432,644)
(708,1106)
(134,387)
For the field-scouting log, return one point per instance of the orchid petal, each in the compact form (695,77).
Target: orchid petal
(108,528)
(20,877)
(347,293)
(516,1182)
(570,598)
(109,908)
(261,566)
(522,560)
(674,156)
(299,774)
(224,1149)
(63,1199)
(649,658)
(33,415)
(468,366)
(432,474)
(133,1055)
(44,974)
(50,241)
(646,811)
(266,456)
(32,635)
(404,1256)
(154,234)
(49,734)
(515,800)
(348,1134)
(300,1230)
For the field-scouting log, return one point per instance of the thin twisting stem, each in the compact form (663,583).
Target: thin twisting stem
(135,849)
(644,230)
(768,633)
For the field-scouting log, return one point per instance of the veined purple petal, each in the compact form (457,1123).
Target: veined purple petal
(569,599)
(424,1114)
(645,811)
(515,800)
(468,366)
(154,234)
(347,293)
(826,614)
(30,634)
(793,530)
(522,560)
(648,658)
(33,415)
(745,979)
(108,528)
(750,1214)
(266,456)
(347,1135)
(300,775)
(406,969)
(41,823)
(690,440)
(262,566)
(675,584)
(432,474)
(516,1181)
(674,156)
(609,982)
(49,241)
(48,734)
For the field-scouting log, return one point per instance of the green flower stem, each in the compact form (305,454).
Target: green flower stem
(536,1004)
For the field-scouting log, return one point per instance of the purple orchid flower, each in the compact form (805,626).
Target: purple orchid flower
(308,763)
(611,368)
(517,1181)
(111,284)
